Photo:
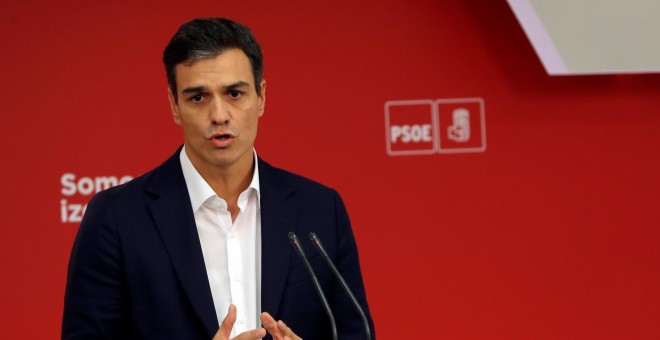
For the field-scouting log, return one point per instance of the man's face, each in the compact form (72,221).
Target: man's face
(218,109)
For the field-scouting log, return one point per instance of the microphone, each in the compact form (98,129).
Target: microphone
(296,244)
(319,246)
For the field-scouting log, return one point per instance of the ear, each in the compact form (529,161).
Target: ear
(173,106)
(262,98)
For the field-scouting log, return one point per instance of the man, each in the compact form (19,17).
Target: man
(198,247)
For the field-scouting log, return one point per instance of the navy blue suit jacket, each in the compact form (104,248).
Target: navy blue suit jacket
(137,271)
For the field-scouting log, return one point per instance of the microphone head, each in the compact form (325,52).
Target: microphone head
(292,236)
(312,236)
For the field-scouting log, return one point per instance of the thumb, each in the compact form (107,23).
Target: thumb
(227,324)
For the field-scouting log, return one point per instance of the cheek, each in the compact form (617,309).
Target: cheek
(254,124)
(191,125)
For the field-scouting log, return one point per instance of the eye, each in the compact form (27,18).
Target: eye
(235,94)
(196,98)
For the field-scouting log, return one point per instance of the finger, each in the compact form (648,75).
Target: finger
(251,335)
(271,326)
(284,329)
(220,336)
(227,324)
(287,331)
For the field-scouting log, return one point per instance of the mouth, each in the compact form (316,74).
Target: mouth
(222,140)
(222,136)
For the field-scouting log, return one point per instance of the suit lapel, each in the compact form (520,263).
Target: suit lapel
(172,213)
(277,220)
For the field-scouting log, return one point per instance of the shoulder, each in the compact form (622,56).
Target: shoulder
(131,189)
(286,180)
(145,187)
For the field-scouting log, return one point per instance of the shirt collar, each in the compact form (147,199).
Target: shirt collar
(200,191)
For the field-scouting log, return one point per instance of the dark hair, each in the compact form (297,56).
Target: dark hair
(207,38)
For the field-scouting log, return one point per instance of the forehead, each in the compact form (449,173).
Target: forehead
(228,67)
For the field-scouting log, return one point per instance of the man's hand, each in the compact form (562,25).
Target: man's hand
(278,329)
(228,324)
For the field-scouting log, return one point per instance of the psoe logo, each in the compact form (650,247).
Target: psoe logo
(75,190)
(411,127)
(425,126)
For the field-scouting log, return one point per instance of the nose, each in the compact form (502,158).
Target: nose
(220,113)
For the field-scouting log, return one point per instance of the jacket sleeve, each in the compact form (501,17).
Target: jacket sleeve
(94,299)
(349,322)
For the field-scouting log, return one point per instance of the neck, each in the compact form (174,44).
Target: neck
(228,182)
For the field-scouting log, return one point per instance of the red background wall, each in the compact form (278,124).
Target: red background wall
(552,232)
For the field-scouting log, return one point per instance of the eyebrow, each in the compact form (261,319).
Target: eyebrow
(235,85)
(195,89)
(229,87)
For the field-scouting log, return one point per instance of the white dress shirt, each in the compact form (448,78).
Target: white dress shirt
(232,251)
